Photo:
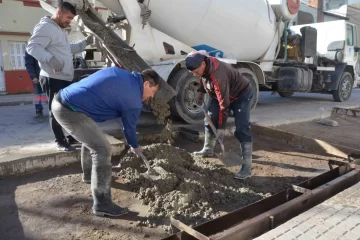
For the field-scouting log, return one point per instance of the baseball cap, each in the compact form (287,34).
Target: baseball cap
(194,60)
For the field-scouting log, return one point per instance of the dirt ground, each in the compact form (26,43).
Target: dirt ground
(346,134)
(55,204)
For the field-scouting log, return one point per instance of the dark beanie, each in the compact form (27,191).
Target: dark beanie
(193,61)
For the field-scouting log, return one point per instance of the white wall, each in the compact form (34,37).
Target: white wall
(15,17)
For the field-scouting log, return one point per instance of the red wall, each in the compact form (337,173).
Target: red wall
(18,81)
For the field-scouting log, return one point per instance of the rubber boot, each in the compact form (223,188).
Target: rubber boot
(86,164)
(245,171)
(209,144)
(101,191)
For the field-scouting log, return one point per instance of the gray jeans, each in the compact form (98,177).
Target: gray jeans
(86,131)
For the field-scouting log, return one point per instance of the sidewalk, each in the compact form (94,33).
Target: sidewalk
(17,99)
(336,218)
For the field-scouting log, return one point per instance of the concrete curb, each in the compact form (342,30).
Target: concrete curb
(55,159)
(16,165)
(16,103)
(316,145)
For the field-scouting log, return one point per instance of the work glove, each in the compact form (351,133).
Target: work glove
(137,150)
(89,40)
(200,99)
(56,65)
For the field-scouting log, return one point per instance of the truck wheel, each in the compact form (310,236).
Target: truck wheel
(254,84)
(343,92)
(286,94)
(182,105)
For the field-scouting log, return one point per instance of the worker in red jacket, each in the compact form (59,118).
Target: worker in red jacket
(228,89)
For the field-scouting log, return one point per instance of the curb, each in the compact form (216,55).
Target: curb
(316,145)
(15,103)
(39,161)
(49,160)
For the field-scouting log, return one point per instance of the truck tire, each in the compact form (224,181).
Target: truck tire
(254,84)
(286,94)
(343,92)
(182,105)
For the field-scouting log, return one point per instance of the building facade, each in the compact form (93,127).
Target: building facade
(17,21)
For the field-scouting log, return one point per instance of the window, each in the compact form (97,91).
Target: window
(169,49)
(17,55)
(305,18)
(349,35)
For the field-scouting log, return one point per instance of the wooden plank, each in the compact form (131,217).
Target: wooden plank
(181,226)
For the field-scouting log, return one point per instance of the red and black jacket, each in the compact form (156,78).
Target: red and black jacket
(224,83)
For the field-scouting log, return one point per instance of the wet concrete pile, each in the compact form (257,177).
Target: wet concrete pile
(160,109)
(192,189)
(165,136)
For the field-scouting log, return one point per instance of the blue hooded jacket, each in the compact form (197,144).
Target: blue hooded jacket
(108,94)
(32,66)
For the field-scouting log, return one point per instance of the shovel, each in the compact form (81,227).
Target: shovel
(230,158)
(152,173)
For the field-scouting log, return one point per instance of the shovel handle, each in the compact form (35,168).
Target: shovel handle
(145,160)
(210,122)
(214,130)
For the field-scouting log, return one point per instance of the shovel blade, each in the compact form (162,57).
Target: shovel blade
(230,158)
(154,174)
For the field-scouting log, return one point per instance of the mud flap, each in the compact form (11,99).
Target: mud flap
(335,77)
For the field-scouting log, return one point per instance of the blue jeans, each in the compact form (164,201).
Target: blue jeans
(241,108)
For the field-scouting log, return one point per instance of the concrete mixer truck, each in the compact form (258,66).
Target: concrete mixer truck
(254,36)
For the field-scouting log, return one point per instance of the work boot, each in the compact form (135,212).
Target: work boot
(209,144)
(86,179)
(245,171)
(65,146)
(39,113)
(86,164)
(71,140)
(101,191)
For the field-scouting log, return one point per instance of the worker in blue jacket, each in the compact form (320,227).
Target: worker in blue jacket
(33,69)
(110,93)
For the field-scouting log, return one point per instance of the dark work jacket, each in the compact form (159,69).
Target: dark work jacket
(32,66)
(224,83)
